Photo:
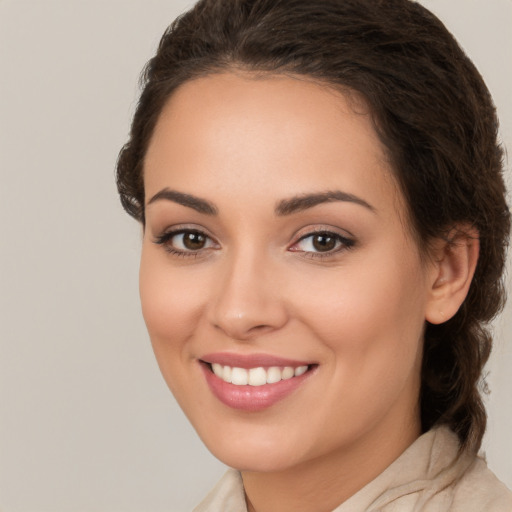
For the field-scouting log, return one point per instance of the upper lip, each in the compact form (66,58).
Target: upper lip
(251,360)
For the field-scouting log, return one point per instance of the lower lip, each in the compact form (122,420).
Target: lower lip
(252,398)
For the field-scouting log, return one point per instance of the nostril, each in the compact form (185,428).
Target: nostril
(260,327)
(243,317)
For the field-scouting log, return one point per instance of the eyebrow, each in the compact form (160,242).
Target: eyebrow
(284,207)
(196,203)
(305,201)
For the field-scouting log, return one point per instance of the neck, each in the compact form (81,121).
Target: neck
(322,484)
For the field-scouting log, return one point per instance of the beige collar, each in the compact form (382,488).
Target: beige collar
(429,476)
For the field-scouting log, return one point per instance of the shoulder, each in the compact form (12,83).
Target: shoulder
(432,475)
(462,480)
(479,489)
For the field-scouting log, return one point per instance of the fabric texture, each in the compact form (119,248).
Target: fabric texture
(428,477)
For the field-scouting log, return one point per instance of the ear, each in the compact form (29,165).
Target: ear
(454,262)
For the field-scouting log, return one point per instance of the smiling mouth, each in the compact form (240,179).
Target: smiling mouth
(258,376)
(255,383)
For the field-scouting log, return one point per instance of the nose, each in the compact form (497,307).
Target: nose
(247,301)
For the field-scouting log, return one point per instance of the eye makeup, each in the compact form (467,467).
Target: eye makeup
(192,242)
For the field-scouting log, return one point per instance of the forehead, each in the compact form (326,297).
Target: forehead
(267,134)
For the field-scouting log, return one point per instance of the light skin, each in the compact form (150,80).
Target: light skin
(246,265)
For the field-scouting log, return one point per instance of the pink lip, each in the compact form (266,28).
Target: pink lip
(251,398)
(251,360)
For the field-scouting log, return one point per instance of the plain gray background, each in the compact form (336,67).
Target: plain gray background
(86,422)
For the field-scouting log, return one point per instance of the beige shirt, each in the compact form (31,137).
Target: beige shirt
(427,477)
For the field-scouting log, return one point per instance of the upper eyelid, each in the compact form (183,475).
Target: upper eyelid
(182,228)
(340,238)
(322,232)
(299,235)
(310,231)
(167,235)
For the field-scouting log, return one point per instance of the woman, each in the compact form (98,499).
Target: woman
(325,226)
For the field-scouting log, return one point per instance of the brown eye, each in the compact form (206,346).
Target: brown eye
(193,241)
(185,242)
(324,242)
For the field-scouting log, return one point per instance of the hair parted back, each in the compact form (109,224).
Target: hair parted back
(432,112)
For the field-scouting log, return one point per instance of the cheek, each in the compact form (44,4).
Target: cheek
(171,305)
(370,313)
(171,301)
(371,323)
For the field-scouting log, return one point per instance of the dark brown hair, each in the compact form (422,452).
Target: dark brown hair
(432,111)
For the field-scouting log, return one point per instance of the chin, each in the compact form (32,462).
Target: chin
(253,460)
(255,453)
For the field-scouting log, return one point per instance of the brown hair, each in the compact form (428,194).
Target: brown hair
(432,111)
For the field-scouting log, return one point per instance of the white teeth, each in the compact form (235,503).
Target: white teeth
(288,372)
(273,375)
(256,376)
(239,376)
(217,369)
(226,374)
(300,370)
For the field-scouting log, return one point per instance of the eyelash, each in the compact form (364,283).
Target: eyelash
(342,243)
(165,240)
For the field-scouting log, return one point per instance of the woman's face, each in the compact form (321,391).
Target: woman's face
(277,244)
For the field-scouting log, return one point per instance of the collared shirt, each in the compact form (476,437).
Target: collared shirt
(428,477)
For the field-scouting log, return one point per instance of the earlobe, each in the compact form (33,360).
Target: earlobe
(454,264)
